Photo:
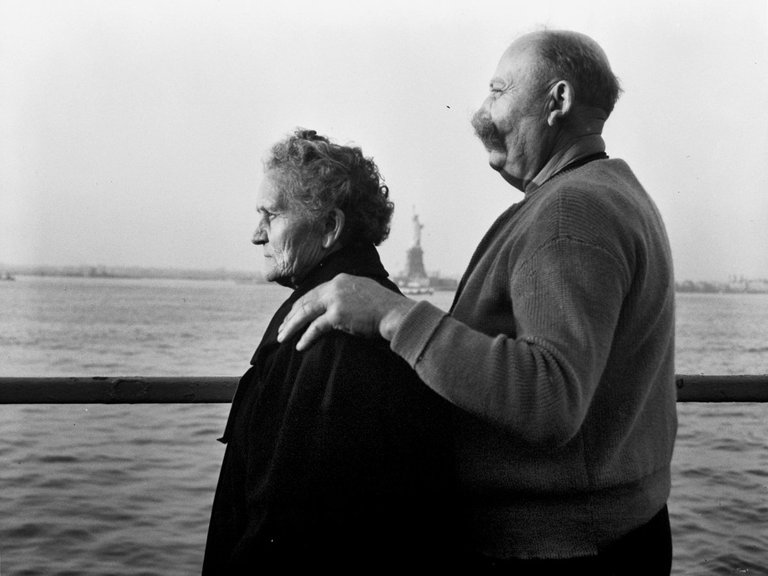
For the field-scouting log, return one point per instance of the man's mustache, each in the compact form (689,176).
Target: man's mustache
(486,131)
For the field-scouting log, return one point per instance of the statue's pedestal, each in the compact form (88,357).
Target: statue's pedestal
(415,263)
(416,280)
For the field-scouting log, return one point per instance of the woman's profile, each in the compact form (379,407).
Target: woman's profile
(337,457)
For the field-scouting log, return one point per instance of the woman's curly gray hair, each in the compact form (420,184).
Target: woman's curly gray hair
(315,176)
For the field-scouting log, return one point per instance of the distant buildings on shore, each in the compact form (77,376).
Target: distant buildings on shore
(87,271)
(435,281)
(734,285)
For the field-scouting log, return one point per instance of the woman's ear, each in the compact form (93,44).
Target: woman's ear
(334,225)
(561,98)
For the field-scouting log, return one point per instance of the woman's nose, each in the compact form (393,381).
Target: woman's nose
(259,236)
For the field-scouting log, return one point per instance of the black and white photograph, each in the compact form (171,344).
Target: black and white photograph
(383,287)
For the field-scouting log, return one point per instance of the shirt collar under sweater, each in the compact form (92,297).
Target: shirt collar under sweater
(586,146)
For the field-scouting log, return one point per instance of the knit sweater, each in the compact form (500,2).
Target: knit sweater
(559,348)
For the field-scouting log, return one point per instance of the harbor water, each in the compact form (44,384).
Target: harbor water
(94,490)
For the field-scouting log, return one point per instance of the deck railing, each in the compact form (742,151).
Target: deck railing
(219,389)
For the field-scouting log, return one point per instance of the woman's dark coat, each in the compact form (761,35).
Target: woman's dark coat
(337,457)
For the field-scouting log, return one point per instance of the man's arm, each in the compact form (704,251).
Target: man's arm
(355,305)
(537,385)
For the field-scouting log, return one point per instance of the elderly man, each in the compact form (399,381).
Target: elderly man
(559,346)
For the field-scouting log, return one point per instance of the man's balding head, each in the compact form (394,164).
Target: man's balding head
(578,59)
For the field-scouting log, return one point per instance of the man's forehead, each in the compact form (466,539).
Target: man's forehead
(518,59)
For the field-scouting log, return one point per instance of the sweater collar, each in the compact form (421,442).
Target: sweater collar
(581,148)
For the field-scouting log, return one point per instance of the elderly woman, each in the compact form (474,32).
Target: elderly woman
(337,457)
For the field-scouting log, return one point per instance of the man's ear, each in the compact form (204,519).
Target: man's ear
(334,225)
(561,98)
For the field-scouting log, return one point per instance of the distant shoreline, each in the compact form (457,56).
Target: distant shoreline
(734,285)
(127,272)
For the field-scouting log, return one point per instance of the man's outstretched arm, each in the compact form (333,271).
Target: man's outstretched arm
(355,305)
(537,384)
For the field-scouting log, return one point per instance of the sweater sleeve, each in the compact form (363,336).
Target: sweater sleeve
(537,385)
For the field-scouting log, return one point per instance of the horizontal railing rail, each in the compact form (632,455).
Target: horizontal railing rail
(219,389)
(117,390)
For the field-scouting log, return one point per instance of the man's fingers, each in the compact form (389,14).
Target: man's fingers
(304,311)
(345,303)
(316,329)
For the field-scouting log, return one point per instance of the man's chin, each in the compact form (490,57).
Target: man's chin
(497,159)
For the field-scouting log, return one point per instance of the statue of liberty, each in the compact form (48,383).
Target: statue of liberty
(417,226)
(415,273)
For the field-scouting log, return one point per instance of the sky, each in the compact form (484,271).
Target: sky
(132,132)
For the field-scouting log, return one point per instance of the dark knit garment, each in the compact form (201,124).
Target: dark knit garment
(560,348)
(338,459)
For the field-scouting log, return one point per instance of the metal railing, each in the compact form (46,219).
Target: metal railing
(219,389)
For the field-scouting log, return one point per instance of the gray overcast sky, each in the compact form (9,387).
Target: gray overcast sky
(132,131)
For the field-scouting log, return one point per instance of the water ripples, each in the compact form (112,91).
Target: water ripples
(97,490)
